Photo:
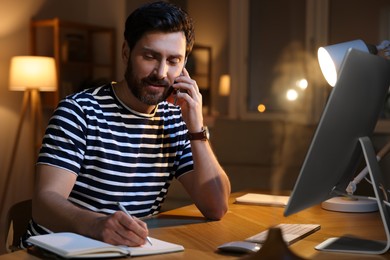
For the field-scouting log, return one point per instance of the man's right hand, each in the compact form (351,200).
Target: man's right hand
(120,229)
(53,210)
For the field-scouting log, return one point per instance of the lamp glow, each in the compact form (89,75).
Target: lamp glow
(224,85)
(302,84)
(292,95)
(328,67)
(33,72)
(261,108)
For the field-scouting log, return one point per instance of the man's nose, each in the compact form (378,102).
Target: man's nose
(161,70)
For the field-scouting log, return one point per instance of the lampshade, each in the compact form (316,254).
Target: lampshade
(331,57)
(224,85)
(33,72)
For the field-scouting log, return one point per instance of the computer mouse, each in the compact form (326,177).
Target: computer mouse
(240,247)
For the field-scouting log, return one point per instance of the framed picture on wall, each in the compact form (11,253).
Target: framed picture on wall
(199,68)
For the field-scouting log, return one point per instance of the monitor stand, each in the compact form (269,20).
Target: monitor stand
(350,244)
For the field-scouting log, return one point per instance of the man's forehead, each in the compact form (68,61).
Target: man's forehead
(173,43)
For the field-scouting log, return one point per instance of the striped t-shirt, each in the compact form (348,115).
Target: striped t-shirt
(118,155)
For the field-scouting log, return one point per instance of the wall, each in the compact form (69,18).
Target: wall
(211,20)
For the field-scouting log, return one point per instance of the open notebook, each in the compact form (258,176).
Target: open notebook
(71,245)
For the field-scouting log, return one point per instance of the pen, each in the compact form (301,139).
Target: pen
(128,214)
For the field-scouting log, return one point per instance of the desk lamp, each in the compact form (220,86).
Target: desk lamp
(30,74)
(330,59)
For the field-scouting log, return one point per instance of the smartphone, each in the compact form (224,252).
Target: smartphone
(171,89)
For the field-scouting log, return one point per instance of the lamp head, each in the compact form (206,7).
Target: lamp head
(331,57)
(36,72)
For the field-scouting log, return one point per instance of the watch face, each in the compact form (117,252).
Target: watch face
(204,135)
(207,132)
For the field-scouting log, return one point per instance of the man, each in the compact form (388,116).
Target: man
(125,143)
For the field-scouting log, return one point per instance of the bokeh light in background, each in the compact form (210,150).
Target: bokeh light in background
(261,108)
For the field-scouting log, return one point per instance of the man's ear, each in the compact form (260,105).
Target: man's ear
(125,52)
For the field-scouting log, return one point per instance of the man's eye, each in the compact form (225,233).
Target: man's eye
(174,61)
(148,56)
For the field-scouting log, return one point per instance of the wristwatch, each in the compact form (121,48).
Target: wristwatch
(202,135)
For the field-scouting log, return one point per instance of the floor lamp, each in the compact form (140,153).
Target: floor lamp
(30,74)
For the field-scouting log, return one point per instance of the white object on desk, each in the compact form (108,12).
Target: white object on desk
(71,245)
(354,204)
(263,199)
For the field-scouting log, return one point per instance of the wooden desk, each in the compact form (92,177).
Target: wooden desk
(201,238)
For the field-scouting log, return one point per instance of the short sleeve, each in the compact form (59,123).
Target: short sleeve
(64,142)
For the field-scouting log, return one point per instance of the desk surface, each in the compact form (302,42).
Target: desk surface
(200,238)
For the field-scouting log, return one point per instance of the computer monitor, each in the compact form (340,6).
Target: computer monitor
(341,139)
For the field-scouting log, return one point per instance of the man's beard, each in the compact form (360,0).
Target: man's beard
(137,87)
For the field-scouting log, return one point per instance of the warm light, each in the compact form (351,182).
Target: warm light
(224,85)
(261,108)
(33,72)
(292,94)
(302,84)
(328,67)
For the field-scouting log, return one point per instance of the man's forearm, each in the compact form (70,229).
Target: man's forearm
(211,186)
(56,213)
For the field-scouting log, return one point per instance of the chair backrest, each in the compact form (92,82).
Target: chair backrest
(18,217)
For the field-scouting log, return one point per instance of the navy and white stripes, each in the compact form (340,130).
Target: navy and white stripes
(116,153)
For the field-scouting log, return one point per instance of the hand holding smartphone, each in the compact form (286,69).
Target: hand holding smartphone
(172,92)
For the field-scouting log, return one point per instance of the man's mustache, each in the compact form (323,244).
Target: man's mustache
(155,81)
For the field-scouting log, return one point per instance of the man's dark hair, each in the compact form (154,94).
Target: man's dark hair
(161,17)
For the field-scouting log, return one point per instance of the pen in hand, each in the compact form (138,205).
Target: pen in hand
(127,213)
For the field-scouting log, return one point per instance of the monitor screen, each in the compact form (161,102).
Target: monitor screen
(352,111)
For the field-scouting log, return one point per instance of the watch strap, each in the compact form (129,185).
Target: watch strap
(202,135)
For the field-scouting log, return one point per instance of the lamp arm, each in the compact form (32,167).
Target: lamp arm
(352,185)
